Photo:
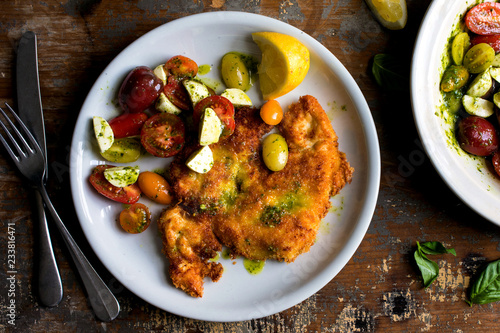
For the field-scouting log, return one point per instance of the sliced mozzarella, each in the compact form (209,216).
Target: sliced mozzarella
(237,97)
(196,90)
(496,99)
(122,176)
(201,161)
(210,127)
(495,73)
(477,106)
(103,133)
(163,104)
(160,72)
(496,61)
(481,85)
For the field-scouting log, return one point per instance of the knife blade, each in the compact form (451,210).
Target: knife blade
(30,110)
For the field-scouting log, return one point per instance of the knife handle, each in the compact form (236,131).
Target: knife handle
(102,300)
(50,289)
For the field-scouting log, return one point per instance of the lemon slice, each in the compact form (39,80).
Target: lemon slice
(391,14)
(284,65)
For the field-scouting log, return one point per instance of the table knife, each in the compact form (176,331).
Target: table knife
(30,110)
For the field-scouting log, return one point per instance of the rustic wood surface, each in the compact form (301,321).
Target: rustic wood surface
(379,290)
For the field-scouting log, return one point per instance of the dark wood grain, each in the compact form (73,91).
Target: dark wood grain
(379,290)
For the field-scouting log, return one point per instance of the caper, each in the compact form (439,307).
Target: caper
(455,77)
(124,150)
(234,72)
(479,58)
(459,46)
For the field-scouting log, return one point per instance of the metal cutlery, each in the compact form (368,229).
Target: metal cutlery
(31,162)
(50,289)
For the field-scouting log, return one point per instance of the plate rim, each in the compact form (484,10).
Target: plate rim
(371,189)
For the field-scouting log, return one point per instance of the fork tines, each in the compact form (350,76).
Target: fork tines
(19,140)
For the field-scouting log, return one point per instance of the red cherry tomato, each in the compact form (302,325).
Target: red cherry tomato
(163,135)
(135,219)
(477,136)
(139,90)
(177,93)
(128,194)
(484,19)
(492,40)
(495,160)
(182,66)
(222,107)
(128,124)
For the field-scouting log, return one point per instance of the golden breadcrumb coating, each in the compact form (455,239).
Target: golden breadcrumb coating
(256,213)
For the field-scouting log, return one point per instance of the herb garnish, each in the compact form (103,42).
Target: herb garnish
(390,73)
(486,288)
(429,268)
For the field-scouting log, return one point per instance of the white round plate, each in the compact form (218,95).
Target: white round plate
(136,260)
(471,178)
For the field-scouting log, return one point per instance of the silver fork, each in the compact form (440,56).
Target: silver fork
(29,159)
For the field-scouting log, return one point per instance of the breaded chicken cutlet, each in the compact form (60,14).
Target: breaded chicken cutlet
(241,204)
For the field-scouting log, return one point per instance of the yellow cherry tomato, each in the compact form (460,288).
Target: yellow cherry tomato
(275,152)
(155,187)
(271,112)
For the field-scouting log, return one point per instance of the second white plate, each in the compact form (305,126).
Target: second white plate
(468,176)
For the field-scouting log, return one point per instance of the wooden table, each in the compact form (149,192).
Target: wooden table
(379,290)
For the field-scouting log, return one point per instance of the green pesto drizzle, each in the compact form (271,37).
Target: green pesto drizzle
(204,69)
(253,267)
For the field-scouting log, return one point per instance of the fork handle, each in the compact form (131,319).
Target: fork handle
(50,289)
(102,300)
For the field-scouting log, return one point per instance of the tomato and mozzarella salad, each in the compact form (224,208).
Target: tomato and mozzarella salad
(157,107)
(470,83)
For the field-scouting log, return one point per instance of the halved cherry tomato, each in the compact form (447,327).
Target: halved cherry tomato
(139,90)
(163,135)
(135,219)
(271,112)
(128,194)
(484,19)
(495,160)
(222,107)
(177,93)
(155,187)
(182,66)
(492,40)
(128,124)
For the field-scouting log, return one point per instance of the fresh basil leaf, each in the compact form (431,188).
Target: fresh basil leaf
(486,288)
(428,268)
(435,248)
(390,73)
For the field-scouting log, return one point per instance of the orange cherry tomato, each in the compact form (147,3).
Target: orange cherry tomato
(182,66)
(136,218)
(155,187)
(271,112)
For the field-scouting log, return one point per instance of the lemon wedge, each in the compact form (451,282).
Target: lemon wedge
(391,14)
(284,65)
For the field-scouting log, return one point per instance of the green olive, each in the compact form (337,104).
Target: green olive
(124,150)
(479,58)
(454,77)
(275,152)
(234,71)
(459,46)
